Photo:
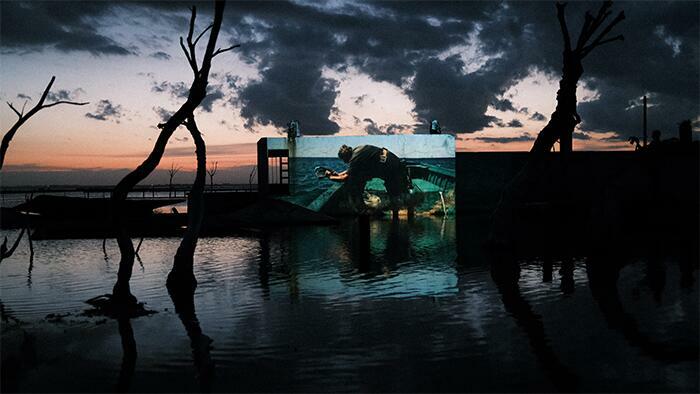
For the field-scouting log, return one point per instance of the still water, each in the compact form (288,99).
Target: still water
(304,309)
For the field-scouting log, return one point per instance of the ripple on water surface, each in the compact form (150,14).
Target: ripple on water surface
(305,309)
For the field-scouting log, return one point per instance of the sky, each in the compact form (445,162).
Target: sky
(487,71)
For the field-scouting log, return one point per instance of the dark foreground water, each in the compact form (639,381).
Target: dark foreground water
(302,309)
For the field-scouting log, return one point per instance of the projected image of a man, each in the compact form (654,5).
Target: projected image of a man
(366,162)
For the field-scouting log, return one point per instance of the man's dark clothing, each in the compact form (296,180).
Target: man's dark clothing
(369,162)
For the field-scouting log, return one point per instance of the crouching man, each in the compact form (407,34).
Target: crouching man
(366,162)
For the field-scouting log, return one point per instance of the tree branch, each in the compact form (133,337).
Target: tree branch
(4,252)
(220,51)
(603,13)
(13,108)
(63,102)
(617,37)
(196,40)
(46,92)
(192,64)
(583,36)
(597,42)
(562,23)
(190,44)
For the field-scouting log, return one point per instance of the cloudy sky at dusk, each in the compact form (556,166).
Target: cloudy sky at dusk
(488,71)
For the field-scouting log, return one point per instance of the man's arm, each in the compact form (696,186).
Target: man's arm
(339,177)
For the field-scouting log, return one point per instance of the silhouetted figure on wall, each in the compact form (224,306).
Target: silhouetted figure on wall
(293,130)
(435,127)
(655,143)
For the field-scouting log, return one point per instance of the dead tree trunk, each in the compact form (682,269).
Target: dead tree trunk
(22,118)
(531,178)
(181,277)
(212,171)
(565,117)
(171,173)
(196,94)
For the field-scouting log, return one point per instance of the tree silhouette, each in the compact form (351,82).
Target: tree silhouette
(181,277)
(253,172)
(197,92)
(171,173)
(22,118)
(212,171)
(565,117)
(536,178)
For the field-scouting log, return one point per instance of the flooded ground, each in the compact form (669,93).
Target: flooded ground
(305,309)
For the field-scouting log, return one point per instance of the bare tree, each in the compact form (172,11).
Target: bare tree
(197,92)
(22,118)
(253,172)
(212,171)
(181,277)
(533,177)
(171,173)
(565,117)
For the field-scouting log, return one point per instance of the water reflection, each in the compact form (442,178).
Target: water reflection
(129,355)
(505,271)
(199,342)
(298,307)
(264,264)
(603,274)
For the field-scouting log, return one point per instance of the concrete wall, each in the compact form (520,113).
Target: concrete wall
(482,176)
(405,146)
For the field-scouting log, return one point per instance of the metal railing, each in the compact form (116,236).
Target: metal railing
(150,192)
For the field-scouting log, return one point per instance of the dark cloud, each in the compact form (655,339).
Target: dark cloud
(405,44)
(180,90)
(63,94)
(65,26)
(23,96)
(395,128)
(503,105)
(291,88)
(504,140)
(358,100)
(371,127)
(58,95)
(620,110)
(515,123)
(106,110)
(383,42)
(440,91)
(175,89)
(538,117)
(160,55)
(577,135)
(215,94)
(163,113)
